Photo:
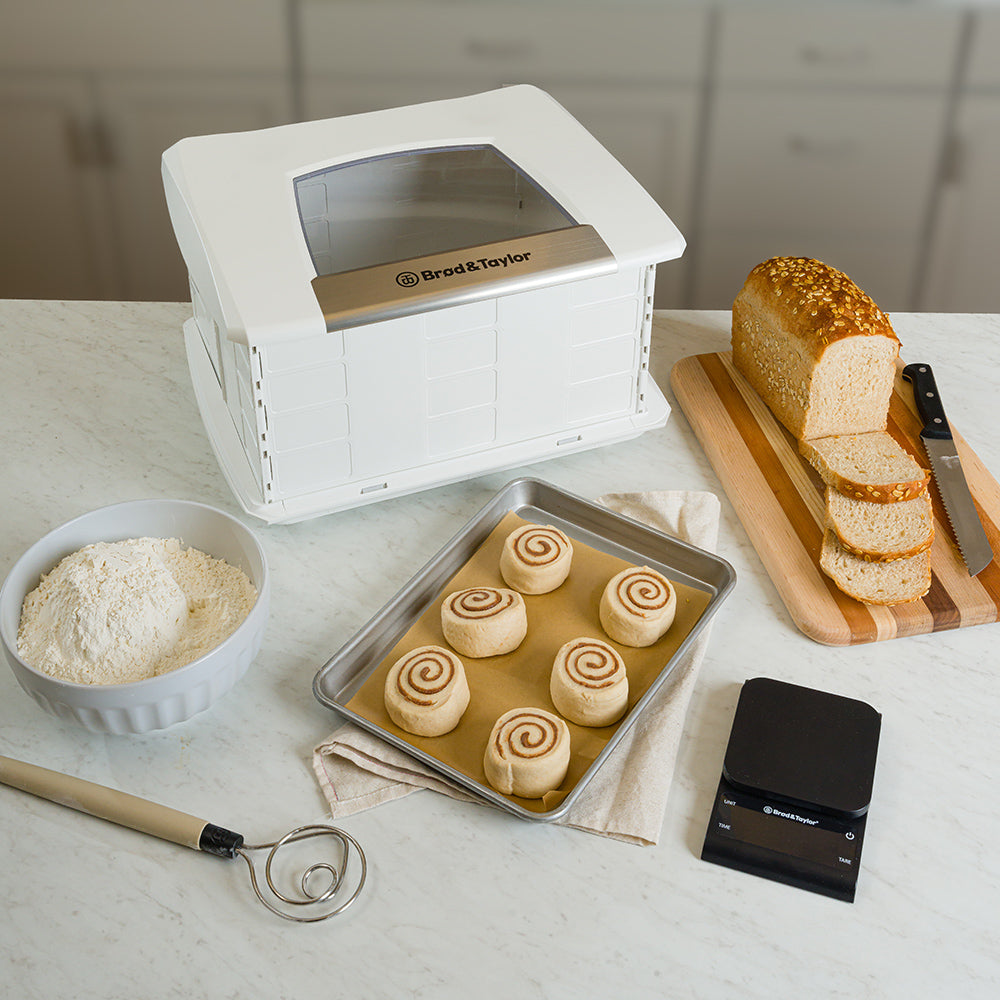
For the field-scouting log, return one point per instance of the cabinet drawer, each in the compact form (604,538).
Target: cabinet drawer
(211,36)
(838,162)
(506,43)
(856,47)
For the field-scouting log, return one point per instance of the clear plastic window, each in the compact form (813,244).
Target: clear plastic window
(412,204)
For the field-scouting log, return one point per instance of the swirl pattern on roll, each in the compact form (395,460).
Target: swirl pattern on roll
(643,591)
(589,683)
(426,691)
(484,621)
(527,753)
(592,664)
(480,602)
(536,558)
(526,734)
(425,674)
(638,606)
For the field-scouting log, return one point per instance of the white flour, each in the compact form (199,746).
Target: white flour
(116,612)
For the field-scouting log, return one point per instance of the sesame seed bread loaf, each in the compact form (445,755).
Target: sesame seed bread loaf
(818,350)
(895,582)
(880,532)
(868,466)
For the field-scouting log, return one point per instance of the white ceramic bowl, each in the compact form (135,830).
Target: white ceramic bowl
(161,701)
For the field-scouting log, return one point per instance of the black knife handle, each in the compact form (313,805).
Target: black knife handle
(925,395)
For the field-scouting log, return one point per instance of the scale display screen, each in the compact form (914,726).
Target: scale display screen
(784,843)
(787,830)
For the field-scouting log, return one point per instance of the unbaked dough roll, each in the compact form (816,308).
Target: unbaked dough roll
(484,621)
(527,753)
(536,558)
(426,691)
(638,606)
(589,685)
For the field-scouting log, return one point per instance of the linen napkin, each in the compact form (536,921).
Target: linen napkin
(626,799)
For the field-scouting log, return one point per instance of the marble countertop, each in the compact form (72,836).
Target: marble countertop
(463,900)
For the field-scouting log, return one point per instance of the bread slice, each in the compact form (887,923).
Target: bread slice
(818,350)
(897,582)
(878,532)
(868,466)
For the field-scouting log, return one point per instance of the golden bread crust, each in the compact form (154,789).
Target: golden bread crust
(814,302)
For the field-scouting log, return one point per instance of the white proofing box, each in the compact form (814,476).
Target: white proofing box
(387,302)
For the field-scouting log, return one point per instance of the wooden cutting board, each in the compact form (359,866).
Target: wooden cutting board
(779,498)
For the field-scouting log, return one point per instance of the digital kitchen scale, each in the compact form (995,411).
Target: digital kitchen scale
(795,789)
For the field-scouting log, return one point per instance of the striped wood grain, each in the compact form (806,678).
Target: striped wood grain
(779,499)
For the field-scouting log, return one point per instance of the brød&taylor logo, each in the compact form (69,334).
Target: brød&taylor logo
(407,279)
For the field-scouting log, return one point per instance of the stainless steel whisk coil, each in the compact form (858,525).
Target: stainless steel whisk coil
(308,896)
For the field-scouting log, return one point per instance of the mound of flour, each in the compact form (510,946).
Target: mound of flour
(116,612)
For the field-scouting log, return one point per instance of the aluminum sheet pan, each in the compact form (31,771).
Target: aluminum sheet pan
(605,531)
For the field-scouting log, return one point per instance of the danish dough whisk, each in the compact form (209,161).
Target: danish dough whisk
(313,902)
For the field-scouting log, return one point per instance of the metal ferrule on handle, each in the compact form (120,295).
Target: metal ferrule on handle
(119,807)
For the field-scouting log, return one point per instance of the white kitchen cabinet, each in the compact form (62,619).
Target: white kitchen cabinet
(90,96)
(632,76)
(845,178)
(501,42)
(80,189)
(824,141)
(965,240)
(863,46)
(760,128)
(55,240)
(965,248)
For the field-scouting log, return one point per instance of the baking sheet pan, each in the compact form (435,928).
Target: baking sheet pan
(351,682)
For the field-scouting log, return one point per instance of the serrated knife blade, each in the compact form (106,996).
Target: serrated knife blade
(947,468)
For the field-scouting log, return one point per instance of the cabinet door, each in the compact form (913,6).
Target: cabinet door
(965,243)
(55,234)
(143,117)
(809,173)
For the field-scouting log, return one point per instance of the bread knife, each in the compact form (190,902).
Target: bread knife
(947,468)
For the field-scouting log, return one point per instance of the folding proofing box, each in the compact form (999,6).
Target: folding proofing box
(391,301)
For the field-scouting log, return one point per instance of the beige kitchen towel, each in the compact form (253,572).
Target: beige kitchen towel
(627,797)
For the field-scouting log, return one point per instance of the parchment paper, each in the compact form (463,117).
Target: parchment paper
(521,679)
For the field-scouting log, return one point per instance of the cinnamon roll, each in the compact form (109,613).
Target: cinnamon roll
(426,691)
(484,621)
(638,606)
(527,753)
(589,685)
(535,558)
